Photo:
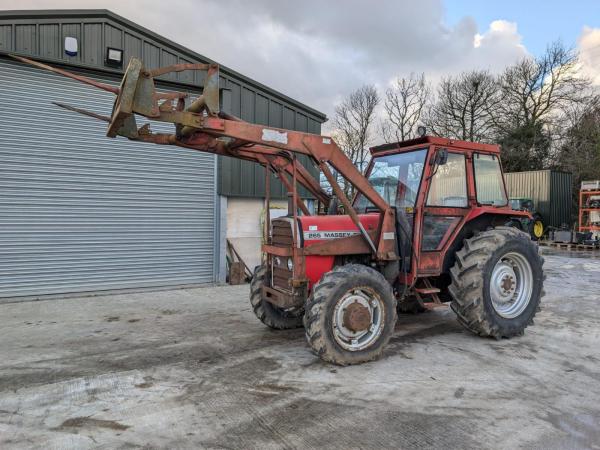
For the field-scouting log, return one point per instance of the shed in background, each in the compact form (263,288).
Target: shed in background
(550,190)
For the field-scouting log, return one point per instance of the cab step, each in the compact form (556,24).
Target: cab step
(427,290)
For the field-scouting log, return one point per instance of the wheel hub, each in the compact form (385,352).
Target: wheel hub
(511,285)
(356,317)
(508,284)
(503,283)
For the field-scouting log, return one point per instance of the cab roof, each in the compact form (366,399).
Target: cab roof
(439,141)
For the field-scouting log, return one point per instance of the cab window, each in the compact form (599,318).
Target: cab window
(396,178)
(488,180)
(449,184)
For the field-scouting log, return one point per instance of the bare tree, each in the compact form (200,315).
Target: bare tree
(404,106)
(540,97)
(465,107)
(568,117)
(534,88)
(353,123)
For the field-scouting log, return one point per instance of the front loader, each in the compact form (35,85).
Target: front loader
(430,223)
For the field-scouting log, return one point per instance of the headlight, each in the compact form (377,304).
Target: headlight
(277,261)
(290,264)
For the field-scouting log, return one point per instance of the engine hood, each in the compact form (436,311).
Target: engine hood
(322,228)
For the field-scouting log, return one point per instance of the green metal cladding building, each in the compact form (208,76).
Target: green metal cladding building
(83,213)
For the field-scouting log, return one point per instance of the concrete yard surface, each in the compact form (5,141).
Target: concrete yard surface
(195,369)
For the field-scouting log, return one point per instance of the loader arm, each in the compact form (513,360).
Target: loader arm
(203,127)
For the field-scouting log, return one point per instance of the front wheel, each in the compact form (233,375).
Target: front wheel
(497,282)
(350,315)
(267,313)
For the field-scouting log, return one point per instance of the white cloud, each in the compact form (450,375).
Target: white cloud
(317,51)
(589,53)
(492,50)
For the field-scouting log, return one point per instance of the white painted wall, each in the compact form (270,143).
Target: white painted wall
(244,225)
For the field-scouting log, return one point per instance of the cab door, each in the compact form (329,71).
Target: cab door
(445,207)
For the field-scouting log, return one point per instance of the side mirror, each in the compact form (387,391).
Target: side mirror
(441,157)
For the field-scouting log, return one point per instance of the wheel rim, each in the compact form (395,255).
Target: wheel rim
(358,319)
(511,285)
(538,228)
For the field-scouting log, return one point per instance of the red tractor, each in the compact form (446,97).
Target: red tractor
(428,224)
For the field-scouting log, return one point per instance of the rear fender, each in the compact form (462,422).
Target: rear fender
(480,222)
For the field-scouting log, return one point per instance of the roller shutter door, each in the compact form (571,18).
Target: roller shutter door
(81,212)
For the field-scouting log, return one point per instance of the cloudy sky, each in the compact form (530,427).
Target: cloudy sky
(317,51)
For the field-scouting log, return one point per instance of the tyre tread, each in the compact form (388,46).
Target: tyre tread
(314,318)
(271,318)
(466,288)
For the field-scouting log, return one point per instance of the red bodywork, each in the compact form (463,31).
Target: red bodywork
(340,228)
(316,229)
(430,263)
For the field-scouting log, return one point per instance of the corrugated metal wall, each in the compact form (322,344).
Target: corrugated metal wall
(561,198)
(82,212)
(43,36)
(239,178)
(551,192)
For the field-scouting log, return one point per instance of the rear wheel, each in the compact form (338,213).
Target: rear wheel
(350,315)
(537,227)
(269,314)
(497,282)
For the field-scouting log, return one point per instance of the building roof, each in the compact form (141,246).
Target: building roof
(69,14)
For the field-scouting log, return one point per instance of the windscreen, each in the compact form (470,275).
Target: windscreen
(396,178)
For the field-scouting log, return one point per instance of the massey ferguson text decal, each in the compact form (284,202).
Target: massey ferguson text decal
(319,235)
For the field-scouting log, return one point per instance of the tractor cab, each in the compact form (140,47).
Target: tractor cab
(436,187)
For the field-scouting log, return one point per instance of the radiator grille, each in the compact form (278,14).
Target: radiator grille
(281,236)
(281,233)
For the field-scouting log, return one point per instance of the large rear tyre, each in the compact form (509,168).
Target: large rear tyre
(497,282)
(269,314)
(350,315)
